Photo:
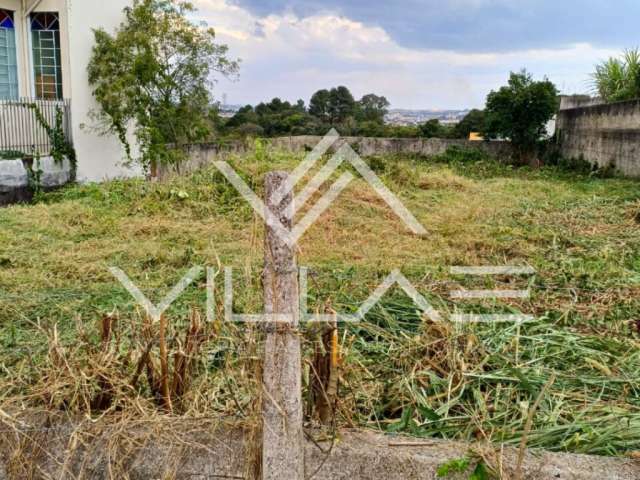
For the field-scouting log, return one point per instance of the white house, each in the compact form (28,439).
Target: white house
(45,46)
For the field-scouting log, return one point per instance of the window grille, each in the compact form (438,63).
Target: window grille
(47,64)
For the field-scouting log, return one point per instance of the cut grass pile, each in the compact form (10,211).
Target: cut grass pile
(400,372)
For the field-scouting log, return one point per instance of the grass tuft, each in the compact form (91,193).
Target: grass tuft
(60,350)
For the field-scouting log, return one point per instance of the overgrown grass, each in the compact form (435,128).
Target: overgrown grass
(400,372)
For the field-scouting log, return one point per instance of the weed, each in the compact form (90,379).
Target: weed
(399,372)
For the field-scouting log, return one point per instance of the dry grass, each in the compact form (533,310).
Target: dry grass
(399,372)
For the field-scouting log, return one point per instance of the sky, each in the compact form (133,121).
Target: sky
(420,54)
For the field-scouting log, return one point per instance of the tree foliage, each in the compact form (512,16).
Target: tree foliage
(327,108)
(618,79)
(274,118)
(319,105)
(335,107)
(474,121)
(154,75)
(433,129)
(520,112)
(372,108)
(341,105)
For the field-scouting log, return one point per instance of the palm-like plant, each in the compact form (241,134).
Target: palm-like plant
(618,79)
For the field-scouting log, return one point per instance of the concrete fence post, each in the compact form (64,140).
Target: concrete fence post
(282,435)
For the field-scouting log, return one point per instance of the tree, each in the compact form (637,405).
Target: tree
(619,79)
(319,105)
(154,74)
(401,131)
(246,114)
(281,117)
(249,130)
(472,122)
(433,129)
(371,128)
(341,105)
(520,112)
(372,108)
(333,106)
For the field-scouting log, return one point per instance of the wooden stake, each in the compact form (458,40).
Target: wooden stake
(164,364)
(324,376)
(282,436)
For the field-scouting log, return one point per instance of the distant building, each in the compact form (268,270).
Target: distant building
(403,117)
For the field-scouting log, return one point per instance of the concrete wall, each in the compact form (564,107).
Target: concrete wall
(576,101)
(204,154)
(606,135)
(14,178)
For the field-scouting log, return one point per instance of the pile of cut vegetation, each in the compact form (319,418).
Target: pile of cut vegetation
(73,341)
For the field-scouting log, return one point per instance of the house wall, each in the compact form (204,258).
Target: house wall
(99,157)
(606,135)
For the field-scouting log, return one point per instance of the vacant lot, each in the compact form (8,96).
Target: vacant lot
(400,372)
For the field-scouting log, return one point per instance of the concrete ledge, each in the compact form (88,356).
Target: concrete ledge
(13,174)
(188,449)
(55,174)
(14,178)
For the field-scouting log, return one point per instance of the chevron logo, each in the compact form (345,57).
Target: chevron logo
(344,154)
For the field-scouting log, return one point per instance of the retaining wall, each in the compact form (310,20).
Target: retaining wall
(14,178)
(606,135)
(201,155)
(188,450)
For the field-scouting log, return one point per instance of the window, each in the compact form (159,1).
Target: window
(47,66)
(8,64)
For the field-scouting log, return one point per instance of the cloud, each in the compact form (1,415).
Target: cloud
(480,25)
(291,56)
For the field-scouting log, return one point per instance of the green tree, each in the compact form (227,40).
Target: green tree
(371,128)
(249,130)
(372,108)
(520,112)
(341,105)
(472,122)
(246,114)
(154,74)
(432,129)
(618,79)
(276,117)
(319,105)
(401,131)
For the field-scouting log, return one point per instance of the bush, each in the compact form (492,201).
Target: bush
(457,154)
(519,112)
